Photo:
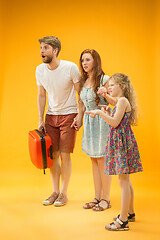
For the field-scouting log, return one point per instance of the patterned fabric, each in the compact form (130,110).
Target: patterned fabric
(95,130)
(122,154)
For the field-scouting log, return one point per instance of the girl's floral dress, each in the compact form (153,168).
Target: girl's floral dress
(122,154)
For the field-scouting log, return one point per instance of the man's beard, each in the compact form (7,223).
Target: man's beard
(47,59)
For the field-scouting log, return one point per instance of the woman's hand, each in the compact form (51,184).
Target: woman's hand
(77,123)
(74,124)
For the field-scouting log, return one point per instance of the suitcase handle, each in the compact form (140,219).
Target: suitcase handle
(43,131)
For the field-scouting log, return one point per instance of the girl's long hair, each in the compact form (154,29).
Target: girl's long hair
(97,72)
(129,93)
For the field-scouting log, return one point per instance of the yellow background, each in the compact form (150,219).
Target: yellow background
(126,35)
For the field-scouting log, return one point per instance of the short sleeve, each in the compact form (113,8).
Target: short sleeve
(38,76)
(75,74)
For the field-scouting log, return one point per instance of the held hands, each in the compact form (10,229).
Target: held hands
(77,123)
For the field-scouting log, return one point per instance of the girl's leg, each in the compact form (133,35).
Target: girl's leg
(124,183)
(131,205)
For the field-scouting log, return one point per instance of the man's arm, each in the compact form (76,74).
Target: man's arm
(77,123)
(41,106)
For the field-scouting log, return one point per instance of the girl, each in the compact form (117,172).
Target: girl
(95,130)
(122,155)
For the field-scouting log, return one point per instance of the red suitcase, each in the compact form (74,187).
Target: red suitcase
(40,149)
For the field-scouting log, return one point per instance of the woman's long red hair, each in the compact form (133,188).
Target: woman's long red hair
(97,71)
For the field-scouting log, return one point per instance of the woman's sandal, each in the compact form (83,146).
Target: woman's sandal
(123,226)
(100,208)
(91,204)
(131,217)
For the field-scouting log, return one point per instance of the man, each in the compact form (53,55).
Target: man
(59,79)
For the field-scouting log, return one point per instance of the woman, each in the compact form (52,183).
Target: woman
(95,129)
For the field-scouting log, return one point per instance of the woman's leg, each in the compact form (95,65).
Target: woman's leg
(96,178)
(106,183)
(97,185)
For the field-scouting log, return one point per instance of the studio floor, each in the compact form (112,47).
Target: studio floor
(24,217)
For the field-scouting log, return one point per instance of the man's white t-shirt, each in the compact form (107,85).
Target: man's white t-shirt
(59,85)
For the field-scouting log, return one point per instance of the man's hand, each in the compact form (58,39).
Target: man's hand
(41,126)
(77,123)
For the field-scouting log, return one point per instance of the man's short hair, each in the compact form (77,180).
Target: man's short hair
(53,41)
